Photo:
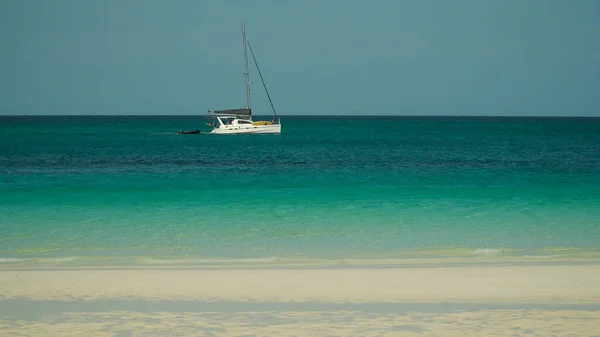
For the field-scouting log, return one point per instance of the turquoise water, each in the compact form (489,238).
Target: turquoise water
(328,187)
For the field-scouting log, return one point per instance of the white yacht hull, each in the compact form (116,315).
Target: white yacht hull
(235,129)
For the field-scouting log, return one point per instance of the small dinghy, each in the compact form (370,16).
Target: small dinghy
(188,132)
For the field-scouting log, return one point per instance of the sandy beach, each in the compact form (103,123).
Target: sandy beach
(542,300)
(480,284)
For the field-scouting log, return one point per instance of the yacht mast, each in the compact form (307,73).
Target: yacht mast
(246,66)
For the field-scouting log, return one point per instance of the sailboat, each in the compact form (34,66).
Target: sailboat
(233,121)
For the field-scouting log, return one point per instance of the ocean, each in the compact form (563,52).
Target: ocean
(129,189)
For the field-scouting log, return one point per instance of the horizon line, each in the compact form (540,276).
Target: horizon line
(300,115)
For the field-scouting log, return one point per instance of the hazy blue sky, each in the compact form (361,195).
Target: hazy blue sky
(458,57)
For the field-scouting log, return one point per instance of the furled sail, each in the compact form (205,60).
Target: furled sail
(237,112)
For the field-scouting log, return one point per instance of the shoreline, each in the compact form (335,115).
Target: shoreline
(584,257)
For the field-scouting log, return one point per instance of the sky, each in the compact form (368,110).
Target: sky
(396,57)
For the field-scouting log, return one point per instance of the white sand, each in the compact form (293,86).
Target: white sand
(314,323)
(516,284)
